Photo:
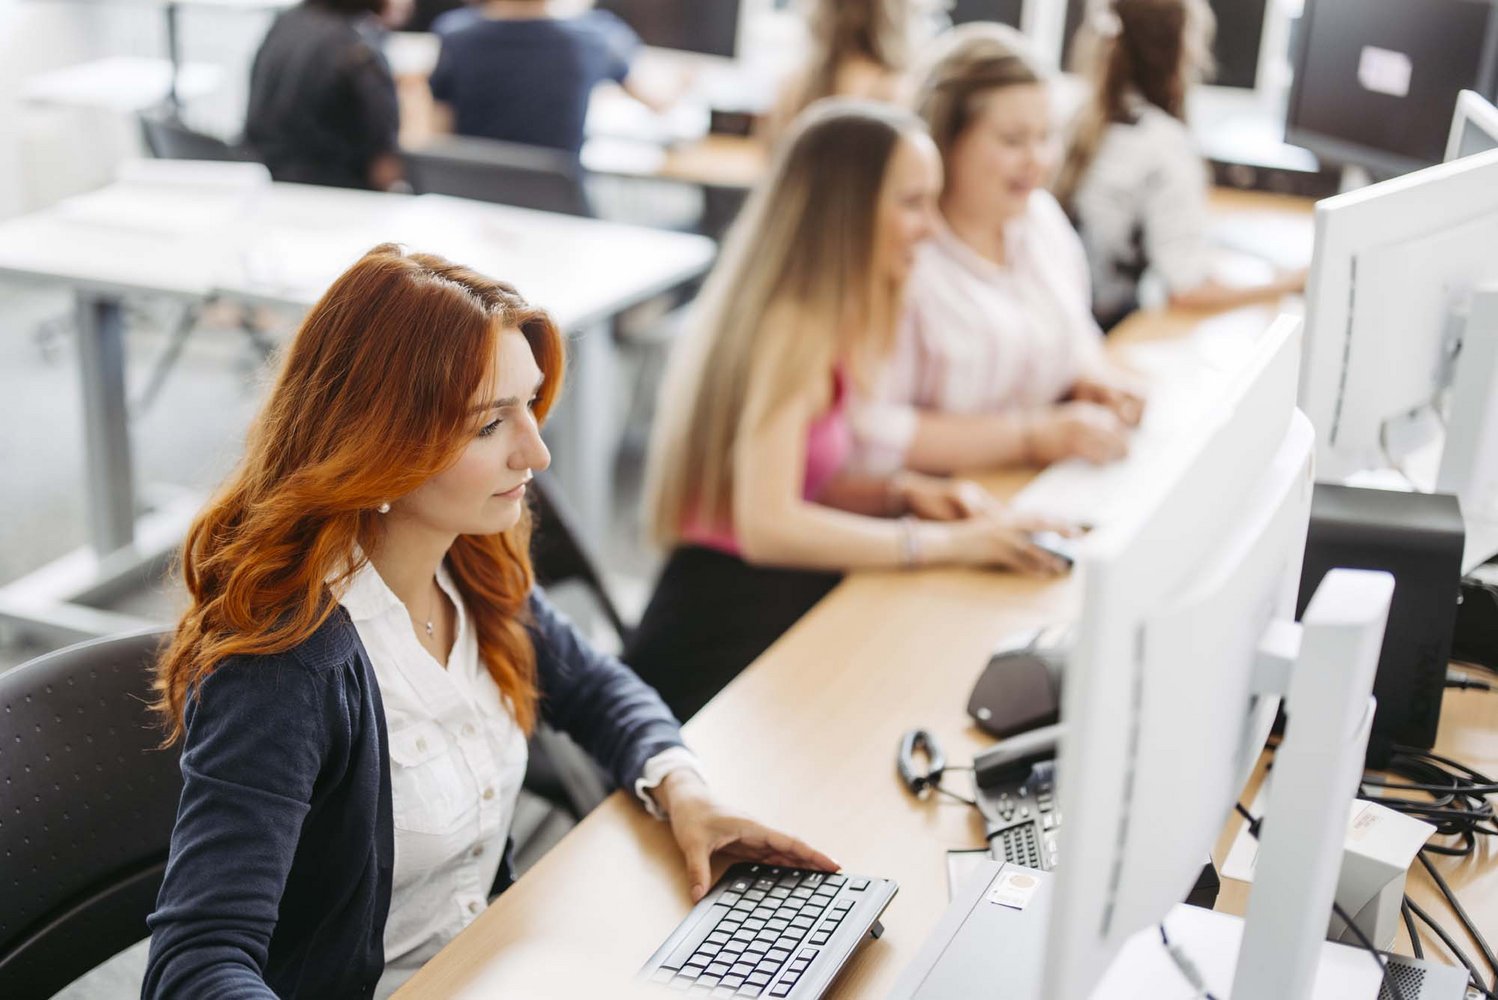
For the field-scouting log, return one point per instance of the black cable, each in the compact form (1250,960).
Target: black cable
(950,794)
(1254,826)
(1410,929)
(1394,988)
(1451,946)
(1461,914)
(1186,967)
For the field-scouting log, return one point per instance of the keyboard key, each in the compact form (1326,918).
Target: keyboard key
(859,885)
(729,898)
(815,878)
(801,892)
(733,980)
(760,979)
(781,990)
(807,954)
(753,924)
(774,925)
(749,991)
(777,955)
(836,879)
(662,975)
(802,921)
(693,940)
(683,983)
(779,892)
(764,884)
(821,937)
(718,969)
(740,885)
(719,937)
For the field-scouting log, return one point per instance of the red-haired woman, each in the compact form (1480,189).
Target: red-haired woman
(365,654)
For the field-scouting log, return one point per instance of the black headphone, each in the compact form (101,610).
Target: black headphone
(919,741)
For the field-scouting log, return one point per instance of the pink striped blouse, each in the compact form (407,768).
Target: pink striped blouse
(977,336)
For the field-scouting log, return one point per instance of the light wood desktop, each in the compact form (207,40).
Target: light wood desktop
(806,738)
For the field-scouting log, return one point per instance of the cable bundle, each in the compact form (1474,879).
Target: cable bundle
(1456,803)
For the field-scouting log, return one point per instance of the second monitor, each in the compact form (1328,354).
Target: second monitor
(709,27)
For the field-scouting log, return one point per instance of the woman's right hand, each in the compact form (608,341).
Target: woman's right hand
(998,539)
(1077,429)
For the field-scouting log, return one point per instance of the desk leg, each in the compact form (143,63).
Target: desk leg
(109,477)
(584,436)
(54,603)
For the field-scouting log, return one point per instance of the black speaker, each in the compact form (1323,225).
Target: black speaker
(1417,537)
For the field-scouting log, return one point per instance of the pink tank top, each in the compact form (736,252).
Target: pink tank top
(829,440)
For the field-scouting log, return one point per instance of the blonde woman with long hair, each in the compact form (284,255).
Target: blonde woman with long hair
(747,479)
(1133,181)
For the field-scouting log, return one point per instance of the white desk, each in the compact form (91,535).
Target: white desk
(283,244)
(124,84)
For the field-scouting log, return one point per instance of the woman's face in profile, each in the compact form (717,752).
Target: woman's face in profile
(483,492)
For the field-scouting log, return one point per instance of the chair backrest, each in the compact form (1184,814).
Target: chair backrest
(86,813)
(560,555)
(507,173)
(558,770)
(168,139)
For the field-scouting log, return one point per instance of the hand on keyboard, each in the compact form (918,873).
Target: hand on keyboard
(1116,394)
(1078,429)
(704,828)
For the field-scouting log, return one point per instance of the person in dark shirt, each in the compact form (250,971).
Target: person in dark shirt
(512,70)
(322,104)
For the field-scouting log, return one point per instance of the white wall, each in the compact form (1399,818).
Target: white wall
(46,153)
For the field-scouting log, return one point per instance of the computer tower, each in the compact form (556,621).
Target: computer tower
(1417,537)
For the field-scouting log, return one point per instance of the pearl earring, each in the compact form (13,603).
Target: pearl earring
(384,508)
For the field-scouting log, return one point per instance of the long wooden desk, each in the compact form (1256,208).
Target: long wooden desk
(805,739)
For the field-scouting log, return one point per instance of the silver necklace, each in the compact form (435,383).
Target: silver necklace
(428,623)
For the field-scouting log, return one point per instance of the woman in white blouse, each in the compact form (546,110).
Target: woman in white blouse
(999,361)
(1133,180)
(365,652)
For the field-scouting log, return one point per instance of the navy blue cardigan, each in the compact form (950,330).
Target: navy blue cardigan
(278,882)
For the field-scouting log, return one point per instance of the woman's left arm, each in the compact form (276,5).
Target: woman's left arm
(622,723)
(597,700)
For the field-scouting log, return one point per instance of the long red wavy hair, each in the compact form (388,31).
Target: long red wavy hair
(372,399)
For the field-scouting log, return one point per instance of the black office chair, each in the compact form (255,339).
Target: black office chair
(559,771)
(87,811)
(169,139)
(506,173)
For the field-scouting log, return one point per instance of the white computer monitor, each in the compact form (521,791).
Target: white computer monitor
(1393,267)
(1474,128)
(1188,593)
(1147,693)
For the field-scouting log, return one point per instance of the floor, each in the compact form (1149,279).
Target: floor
(190,437)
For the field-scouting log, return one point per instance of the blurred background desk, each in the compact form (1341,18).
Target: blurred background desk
(185,233)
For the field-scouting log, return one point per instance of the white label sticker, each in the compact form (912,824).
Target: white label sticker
(1384,71)
(1013,888)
